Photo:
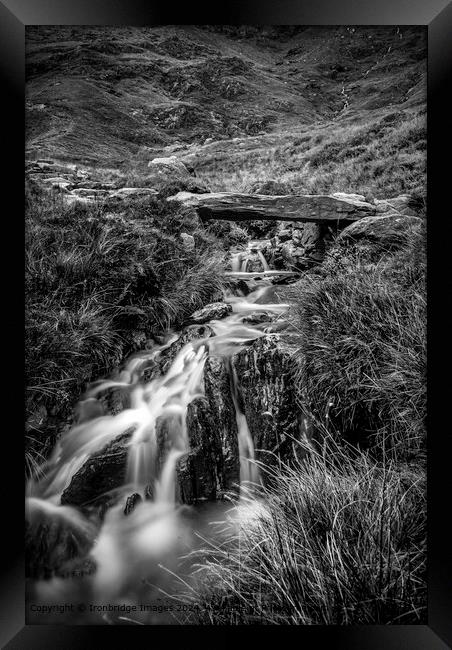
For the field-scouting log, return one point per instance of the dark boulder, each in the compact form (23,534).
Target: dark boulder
(268,397)
(103,471)
(132,501)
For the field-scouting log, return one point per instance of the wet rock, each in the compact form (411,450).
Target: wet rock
(349,197)
(51,549)
(268,397)
(214,311)
(132,501)
(257,317)
(102,472)
(212,466)
(238,287)
(161,364)
(88,409)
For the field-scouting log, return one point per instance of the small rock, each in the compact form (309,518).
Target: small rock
(124,192)
(349,197)
(132,502)
(170,161)
(257,317)
(388,230)
(214,311)
(188,241)
(284,235)
(88,192)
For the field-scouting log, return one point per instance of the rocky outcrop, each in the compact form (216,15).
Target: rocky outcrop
(257,317)
(188,241)
(212,466)
(388,231)
(102,472)
(80,186)
(310,208)
(132,501)
(268,397)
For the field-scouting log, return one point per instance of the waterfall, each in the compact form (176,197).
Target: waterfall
(249,472)
(263,260)
(126,547)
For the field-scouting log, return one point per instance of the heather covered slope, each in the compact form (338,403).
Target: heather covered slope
(308,105)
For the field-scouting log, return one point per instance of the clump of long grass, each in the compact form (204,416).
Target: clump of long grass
(100,280)
(338,540)
(361,321)
(380,157)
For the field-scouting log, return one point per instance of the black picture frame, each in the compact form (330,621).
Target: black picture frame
(15,15)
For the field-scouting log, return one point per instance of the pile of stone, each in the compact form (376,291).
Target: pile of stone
(78,185)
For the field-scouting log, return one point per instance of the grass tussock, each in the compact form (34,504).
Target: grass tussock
(361,321)
(101,280)
(338,540)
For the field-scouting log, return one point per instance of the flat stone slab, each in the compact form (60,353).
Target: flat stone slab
(244,275)
(237,207)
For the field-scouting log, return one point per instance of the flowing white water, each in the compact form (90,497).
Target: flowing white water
(249,472)
(125,548)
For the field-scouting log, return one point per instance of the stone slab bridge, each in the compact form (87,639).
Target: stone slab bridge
(304,208)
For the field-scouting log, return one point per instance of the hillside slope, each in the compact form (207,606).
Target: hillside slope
(114,97)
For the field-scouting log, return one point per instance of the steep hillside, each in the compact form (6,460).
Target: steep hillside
(116,97)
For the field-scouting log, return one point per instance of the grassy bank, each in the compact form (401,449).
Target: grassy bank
(100,281)
(361,320)
(375,157)
(339,540)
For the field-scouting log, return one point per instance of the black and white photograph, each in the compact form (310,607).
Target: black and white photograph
(225,325)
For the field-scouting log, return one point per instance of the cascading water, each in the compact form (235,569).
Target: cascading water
(127,548)
(249,472)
